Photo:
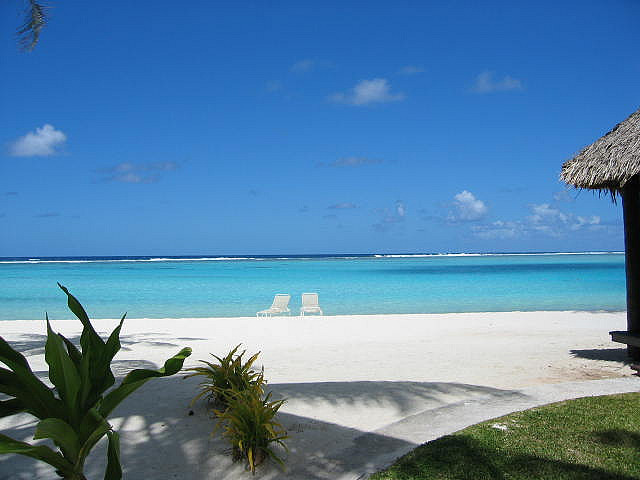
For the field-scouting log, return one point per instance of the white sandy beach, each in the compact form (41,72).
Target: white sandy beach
(357,386)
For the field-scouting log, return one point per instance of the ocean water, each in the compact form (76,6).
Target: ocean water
(148,287)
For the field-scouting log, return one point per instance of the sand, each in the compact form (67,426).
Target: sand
(360,389)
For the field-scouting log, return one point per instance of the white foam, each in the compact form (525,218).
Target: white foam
(425,255)
(366,256)
(134,260)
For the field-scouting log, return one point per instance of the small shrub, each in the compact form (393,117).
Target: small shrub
(246,415)
(227,375)
(74,413)
(250,426)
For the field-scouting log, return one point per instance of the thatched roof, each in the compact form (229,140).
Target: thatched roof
(608,163)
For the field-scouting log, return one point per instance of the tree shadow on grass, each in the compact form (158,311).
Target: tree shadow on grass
(619,438)
(464,457)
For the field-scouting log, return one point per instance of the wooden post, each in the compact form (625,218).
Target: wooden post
(631,209)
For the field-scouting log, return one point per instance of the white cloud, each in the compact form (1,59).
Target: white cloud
(303,66)
(552,221)
(498,229)
(309,65)
(131,177)
(467,208)
(41,143)
(164,166)
(127,172)
(563,196)
(410,70)
(485,83)
(390,217)
(353,162)
(544,213)
(274,86)
(367,92)
(592,222)
(544,220)
(343,206)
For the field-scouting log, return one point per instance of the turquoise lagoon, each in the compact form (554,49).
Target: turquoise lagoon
(179,287)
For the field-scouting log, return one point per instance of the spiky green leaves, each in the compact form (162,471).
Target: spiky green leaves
(20,382)
(39,452)
(73,413)
(94,365)
(114,470)
(136,378)
(62,435)
(63,372)
(230,373)
(250,426)
(246,414)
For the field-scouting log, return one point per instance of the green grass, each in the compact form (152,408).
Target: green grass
(587,438)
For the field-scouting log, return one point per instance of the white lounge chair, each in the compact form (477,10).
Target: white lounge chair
(310,304)
(280,305)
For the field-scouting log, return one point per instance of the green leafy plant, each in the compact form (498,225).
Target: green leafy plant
(250,426)
(228,375)
(73,414)
(245,413)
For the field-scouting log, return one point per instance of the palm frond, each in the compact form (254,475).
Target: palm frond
(34,21)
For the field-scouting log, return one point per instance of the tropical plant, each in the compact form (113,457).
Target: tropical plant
(250,426)
(73,414)
(35,20)
(226,376)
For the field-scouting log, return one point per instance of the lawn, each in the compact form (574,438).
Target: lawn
(587,438)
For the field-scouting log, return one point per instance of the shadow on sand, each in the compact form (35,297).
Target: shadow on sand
(609,354)
(160,440)
(33,343)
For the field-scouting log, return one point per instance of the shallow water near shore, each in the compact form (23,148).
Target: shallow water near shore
(180,287)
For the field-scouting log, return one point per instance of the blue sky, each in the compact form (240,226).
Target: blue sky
(139,128)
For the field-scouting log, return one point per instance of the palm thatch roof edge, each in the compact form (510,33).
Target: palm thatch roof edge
(608,163)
